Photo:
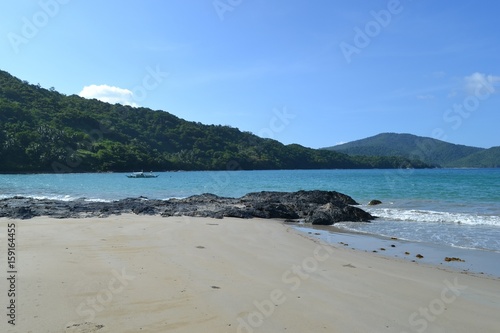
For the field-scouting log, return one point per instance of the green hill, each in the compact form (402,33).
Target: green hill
(44,131)
(428,150)
(488,158)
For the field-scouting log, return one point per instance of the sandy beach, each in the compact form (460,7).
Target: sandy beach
(133,273)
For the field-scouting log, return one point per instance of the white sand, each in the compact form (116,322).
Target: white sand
(151,274)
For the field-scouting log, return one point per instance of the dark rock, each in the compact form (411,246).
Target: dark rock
(144,210)
(22,213)
(301,197)
(274,211)
(453,259)
(374,202)
(324,215)
(329,214)
(167,213)
(310,205)
(316,207)
(237,212)
(204,198)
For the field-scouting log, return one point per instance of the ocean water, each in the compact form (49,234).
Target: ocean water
(452,207)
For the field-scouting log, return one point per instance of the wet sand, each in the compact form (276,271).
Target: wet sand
(469,260)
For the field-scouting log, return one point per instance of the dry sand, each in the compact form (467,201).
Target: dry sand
(151,274)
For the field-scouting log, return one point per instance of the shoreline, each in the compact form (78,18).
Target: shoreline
(133,273)
(475,261)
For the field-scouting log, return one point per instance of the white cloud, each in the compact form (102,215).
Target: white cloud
(480,82)
(108,94)
(425,97)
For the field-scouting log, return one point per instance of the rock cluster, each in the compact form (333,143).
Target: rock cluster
(316,207)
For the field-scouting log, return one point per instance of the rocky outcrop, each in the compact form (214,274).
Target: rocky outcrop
(374,202)
(324,215)
(316,207)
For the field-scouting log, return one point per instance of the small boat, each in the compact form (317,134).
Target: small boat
(142,175)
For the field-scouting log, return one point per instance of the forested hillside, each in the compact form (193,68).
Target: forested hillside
(488,158)
(428,150)
(42,130)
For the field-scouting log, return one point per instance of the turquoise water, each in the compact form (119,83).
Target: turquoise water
(455,207)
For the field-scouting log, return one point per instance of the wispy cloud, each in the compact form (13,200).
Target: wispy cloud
(452,87)
(477,81)
(108,94)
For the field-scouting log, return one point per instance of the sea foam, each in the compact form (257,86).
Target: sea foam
(414,215)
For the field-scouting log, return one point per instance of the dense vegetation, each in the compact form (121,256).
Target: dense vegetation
(428,150)
(489,158)
(44,131)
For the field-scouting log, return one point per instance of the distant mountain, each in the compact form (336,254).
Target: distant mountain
(427,150)
(488,158)
(44,131)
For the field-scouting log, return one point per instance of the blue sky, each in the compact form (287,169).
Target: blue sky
(315,73)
